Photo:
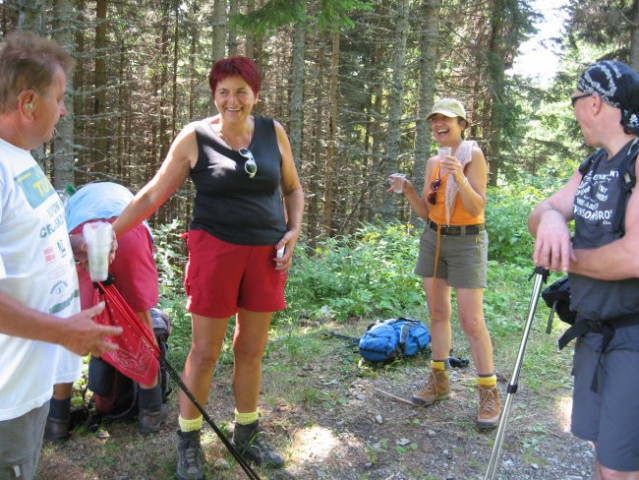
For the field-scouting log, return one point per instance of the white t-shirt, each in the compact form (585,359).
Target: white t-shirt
(37,268)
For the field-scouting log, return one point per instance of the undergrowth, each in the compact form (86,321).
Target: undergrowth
(369,273)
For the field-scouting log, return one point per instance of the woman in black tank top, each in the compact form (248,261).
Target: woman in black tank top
(247,218)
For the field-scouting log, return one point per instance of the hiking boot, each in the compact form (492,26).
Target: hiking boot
(190,456)
(249,443)
(151,419)
(436,388)
(488,408)
(56,429)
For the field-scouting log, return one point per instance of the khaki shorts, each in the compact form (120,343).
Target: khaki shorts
(20,443)
(463,259)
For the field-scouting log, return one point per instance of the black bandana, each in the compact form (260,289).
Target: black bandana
(618,85)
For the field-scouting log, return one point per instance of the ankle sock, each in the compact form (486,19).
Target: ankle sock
(440,364)
(246,418)
(488,380)
(60,409)
(190,425)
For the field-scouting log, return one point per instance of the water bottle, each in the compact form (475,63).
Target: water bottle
(66,193)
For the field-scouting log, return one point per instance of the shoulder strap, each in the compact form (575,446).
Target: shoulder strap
(629,180)
(590,163)
(629,177)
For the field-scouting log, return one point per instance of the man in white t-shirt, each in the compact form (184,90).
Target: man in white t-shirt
(39,299)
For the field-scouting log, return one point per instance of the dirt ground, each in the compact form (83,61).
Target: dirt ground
(335,418)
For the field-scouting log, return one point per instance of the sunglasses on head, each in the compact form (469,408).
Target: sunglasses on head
(434,188)
(250,167)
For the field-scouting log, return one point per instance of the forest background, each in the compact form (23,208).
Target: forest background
(352,82)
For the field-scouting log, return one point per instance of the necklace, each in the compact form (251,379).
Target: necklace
(242,140)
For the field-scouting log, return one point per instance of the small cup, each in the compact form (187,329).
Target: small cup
(99,239)
(444,152)
(397,182)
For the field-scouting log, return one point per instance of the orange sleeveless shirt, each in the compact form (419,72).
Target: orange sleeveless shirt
(459,215)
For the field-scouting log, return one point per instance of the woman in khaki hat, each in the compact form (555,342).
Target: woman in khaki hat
(453,253)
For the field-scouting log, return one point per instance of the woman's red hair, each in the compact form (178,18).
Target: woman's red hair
(236,66)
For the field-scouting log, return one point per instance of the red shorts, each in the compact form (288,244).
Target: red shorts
(221,277)
(134,271)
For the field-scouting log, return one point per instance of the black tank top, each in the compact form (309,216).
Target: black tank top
(228,203)
(596,200)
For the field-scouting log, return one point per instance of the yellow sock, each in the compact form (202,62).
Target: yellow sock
(190,425)
(246,418)
(438,365)
(487,380)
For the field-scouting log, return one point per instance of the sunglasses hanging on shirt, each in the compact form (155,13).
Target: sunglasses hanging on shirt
(250,167)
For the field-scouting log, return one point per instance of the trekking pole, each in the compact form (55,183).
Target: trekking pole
(353,340)
(541,275)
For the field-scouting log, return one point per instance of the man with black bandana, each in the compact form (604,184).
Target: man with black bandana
(603,267)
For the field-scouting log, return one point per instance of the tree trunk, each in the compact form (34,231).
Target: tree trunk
(194,77)
(63,152)
(31,15)
(250,47)
(314,192)
(376,140)
(329,166)
(232,36)
(100,85)
(79,80)
(219,30)
(634,37)
(297,92)
(395,101)
(164,141)
(496,87)
(174,75)
(429,40)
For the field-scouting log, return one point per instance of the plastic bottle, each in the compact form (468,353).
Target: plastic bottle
(65,194)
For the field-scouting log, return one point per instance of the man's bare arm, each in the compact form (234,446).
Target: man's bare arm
(78,333)
(548,223)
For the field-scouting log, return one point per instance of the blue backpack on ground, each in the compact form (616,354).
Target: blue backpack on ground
(395,338)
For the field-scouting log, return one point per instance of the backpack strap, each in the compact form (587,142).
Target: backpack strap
(406,325)
(590,163)
(629,180)
(629,176)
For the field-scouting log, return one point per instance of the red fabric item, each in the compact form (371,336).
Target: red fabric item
(137,355)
